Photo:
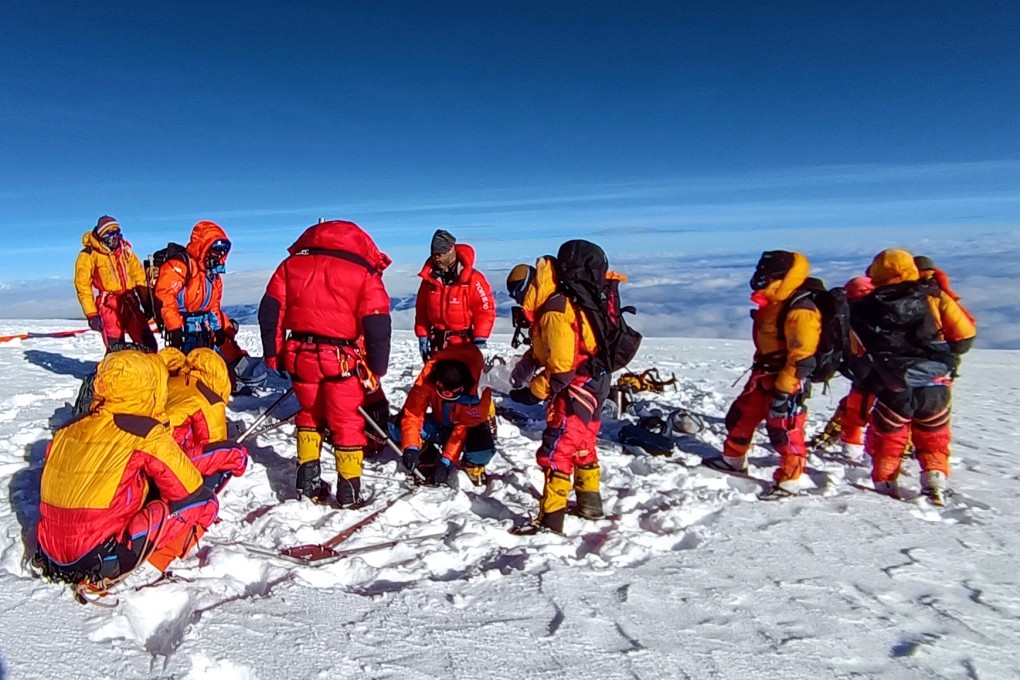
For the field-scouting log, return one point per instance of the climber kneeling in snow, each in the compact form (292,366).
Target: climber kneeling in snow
(786,335)
(908,338)
(445,411)
(197,409)
(99,525)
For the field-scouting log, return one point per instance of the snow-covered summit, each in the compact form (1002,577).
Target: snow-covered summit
(688,576)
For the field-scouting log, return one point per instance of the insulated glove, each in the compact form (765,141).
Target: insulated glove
(523,395)
(411,458)
(480,342)
(175,338)
(783,406)
(219,337)
(95,323)
(443,473)
(423,347)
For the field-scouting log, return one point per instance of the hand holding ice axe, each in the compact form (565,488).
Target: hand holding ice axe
(392,444)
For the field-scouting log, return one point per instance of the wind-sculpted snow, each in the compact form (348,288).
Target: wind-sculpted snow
(689,575)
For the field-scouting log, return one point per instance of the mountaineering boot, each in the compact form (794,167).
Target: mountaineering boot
(854,452)
(348,468)
(586,489)
(310,484)
(553,505)
(888,488)
(142,576)
(784,489)
(309,477)
(476,473)
(736,463)
(933,485)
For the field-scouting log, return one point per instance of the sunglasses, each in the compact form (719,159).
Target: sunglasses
(111,238)
(450,394)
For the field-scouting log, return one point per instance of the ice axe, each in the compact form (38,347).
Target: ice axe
(262,418)
(386,436)
(314,552)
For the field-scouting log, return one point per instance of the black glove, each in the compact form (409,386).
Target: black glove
(782,406)
(95,323)
(423,348)
(443,473)
(219,337)
(524,395)
(175,338)
(411,458)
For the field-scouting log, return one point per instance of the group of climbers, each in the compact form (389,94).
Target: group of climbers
(907,332)
(134,480)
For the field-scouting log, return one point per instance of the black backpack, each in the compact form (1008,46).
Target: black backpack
(173,251)
(833,353)
(581,268)
(902,342)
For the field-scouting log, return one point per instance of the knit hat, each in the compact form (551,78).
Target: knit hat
(106,224)
(442,241)
(923,262)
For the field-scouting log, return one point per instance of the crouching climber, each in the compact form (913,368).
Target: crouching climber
(119,500)
(445,422)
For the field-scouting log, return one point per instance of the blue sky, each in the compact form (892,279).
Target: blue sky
(652,127)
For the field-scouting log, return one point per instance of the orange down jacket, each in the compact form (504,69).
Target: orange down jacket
(183,287)
(424,398)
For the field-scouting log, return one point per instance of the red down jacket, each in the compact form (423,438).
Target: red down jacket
(331,287)
(467,304)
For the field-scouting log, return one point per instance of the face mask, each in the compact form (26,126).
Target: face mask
(112,239)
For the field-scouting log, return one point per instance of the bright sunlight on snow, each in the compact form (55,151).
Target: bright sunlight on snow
(688,576)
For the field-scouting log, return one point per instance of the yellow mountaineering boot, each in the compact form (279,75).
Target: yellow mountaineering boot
(309,474)
(348,467)
(553,505)
(586,488)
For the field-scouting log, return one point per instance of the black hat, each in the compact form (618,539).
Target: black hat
(452,376)
(773,264)
(442,241)
(923,262)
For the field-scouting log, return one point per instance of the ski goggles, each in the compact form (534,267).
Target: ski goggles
(450,393)
(220,247)
(112,239)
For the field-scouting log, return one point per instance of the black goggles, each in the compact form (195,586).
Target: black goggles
(449,393)
(220,247)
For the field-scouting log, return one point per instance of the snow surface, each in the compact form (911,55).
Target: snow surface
(690,576)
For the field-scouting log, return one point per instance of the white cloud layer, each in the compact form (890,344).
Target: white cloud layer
(676,295)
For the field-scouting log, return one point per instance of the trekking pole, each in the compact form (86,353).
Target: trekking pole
(262,418)
(275,426)
(385,435)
